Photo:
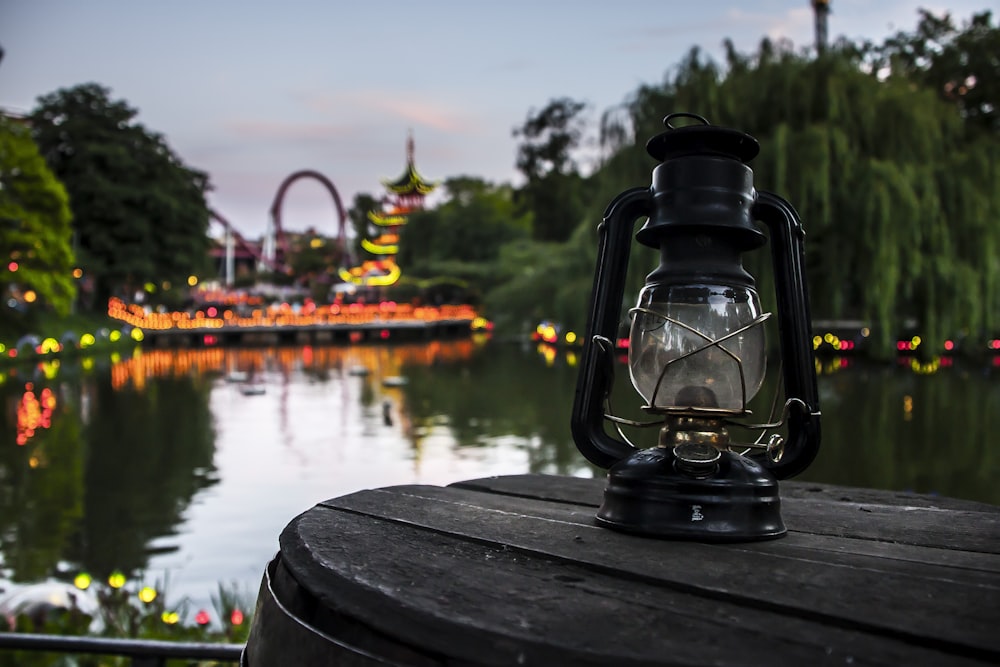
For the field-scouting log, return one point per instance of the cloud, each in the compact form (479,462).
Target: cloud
(260,129)
(406,107)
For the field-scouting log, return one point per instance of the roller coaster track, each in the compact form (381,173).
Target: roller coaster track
(282,241)
(276,261)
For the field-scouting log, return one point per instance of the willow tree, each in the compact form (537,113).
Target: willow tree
(899,195)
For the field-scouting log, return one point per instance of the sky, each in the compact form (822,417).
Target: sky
(251,92)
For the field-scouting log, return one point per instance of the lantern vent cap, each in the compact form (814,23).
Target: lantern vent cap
(701,138)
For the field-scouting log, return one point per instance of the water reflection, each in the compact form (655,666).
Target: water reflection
(158,462)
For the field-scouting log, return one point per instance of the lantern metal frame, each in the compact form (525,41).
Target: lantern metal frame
(724,491)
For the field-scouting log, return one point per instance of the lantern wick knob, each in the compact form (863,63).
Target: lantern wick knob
(697,460)
(697,444)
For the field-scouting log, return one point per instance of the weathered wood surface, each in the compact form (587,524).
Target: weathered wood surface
(512,571)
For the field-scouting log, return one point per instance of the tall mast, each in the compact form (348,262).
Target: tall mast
(821,9)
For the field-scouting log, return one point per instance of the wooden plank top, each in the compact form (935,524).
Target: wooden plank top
(513,571)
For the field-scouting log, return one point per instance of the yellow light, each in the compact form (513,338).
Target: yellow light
(137,335)
(570,337)
(147,594)
(316,243)
(170,617)
(817,341)
(30,296)
(116,580)
(86,340)
(192,280)
(828,338)
(865,332)
(114,336)
(82,581)
(165,284)
(78,273)
(149,287)
(915,340)
(3,348)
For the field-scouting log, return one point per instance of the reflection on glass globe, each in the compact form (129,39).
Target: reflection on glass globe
(672,321)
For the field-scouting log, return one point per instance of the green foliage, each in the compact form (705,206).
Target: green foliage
(897,185)
(139,213)
(358,215)
(462,237)
(552,193)
(960,64)
(314,260)
(35,219)
(132,609)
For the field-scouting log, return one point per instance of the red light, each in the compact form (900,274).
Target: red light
(901,345)
(622,343)
(995,344)
(12,267)
(949,345)
(384,334)
(212,311)
(202,617)
(12,353)
(236,618)
(210,340)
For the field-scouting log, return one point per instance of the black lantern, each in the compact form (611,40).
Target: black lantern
(696,348)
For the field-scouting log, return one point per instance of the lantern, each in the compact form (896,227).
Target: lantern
(696,347)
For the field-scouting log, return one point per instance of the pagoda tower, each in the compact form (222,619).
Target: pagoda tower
(403,196)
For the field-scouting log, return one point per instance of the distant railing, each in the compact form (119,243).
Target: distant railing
(144,652)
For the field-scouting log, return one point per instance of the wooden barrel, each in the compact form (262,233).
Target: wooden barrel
(514,571)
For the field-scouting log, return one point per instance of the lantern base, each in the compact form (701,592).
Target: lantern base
(647,495)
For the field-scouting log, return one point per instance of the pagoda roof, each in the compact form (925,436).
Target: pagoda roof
(411,182)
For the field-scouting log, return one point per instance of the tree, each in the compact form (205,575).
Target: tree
(364,203)
(314,260)
(35,217)
(962,65)
(897,184)
(461,238)
(139,213)
(552,193)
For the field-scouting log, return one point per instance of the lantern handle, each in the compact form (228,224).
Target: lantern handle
(597,366)
(794,329)
(683,114)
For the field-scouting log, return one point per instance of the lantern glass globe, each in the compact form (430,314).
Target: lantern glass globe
(672,361)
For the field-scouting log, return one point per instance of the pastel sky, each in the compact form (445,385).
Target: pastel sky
(252,91)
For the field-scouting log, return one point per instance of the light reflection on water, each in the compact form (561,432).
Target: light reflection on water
(320,430)
(161,463)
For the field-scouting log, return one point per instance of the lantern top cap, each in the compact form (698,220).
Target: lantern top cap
(702,138)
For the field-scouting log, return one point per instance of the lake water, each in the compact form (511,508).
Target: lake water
(160,466)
